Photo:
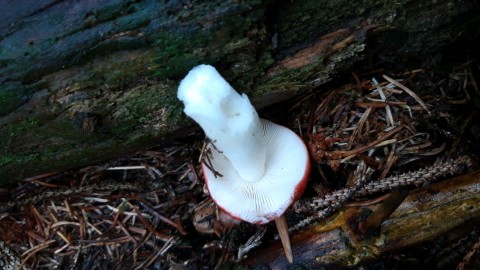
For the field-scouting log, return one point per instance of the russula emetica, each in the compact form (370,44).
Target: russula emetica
(259,167)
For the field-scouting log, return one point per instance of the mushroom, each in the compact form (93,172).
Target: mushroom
(255,168)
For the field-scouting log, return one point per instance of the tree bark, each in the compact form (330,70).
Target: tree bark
(86,81)
(424,215)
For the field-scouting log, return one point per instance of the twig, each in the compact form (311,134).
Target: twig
(252,242)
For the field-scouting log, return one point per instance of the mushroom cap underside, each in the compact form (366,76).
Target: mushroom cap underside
(287,167)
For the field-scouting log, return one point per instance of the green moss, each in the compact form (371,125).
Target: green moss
(18,159)
(291,79)
(231,45)
(29,164)
(6,159)
(117,84)
(175,116)
(145,109)
(59,144)
(110,73)
(15,129)
(175,56)
(28,133)
(66,130)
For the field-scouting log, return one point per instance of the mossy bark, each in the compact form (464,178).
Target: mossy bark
(86,81)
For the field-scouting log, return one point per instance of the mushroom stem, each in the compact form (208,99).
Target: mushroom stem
(282,228)
(228,119)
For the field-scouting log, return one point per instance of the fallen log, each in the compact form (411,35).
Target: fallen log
(425,214)
(86,81)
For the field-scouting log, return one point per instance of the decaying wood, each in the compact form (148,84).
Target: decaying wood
(424,215)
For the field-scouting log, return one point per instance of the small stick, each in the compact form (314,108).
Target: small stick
(252,242)
(282,228)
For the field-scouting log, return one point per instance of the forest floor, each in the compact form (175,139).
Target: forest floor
(151,210)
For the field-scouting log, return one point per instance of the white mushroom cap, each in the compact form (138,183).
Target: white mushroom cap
(263,166)
(286,172)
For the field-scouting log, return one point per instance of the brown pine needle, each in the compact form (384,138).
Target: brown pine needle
(160,235)
(29,253)
(408,91)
